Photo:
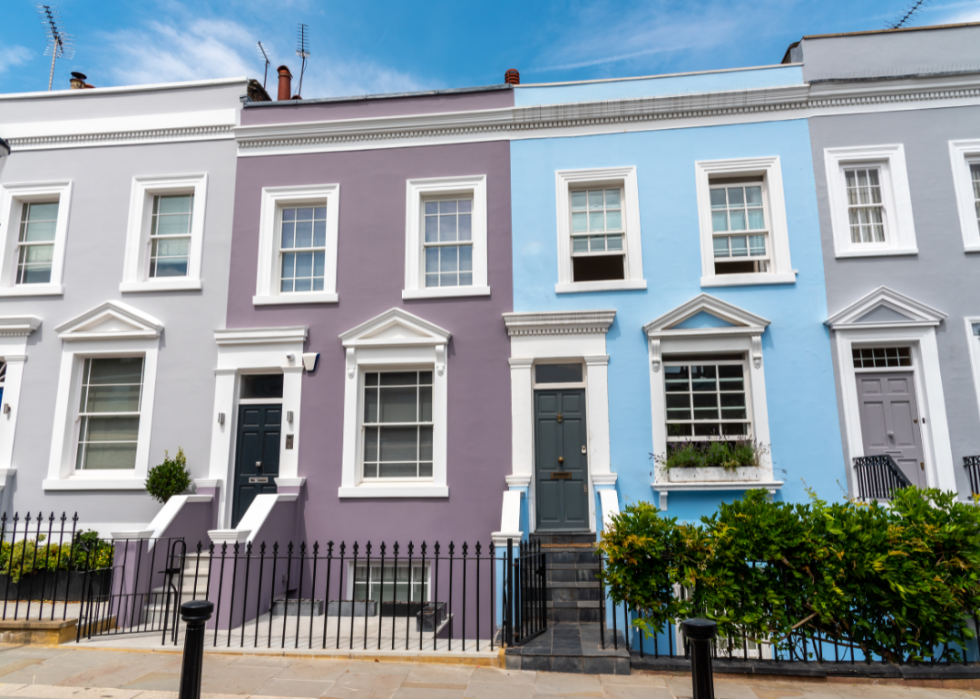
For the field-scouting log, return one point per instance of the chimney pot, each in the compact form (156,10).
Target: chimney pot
(285,83)
(78,80)
(512,77)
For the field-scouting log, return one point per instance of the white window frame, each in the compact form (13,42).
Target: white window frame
(973,345)
(14,331)
(12,199)
(895,195)
(416,192)
(274,199)
(708,360)
(962,154)
(136,263)
(625,177)
(389,561)
(394,341)
(769,167)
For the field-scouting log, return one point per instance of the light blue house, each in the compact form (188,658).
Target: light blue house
(668,288)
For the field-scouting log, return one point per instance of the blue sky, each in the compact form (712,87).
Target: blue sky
(371,46)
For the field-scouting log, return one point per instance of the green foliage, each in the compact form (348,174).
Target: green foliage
(25,557)
(896,581)
(728,455)
(169,478)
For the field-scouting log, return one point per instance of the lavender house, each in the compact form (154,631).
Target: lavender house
(362,390)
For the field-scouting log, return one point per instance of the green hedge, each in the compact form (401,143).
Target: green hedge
(25,557)
(895,581)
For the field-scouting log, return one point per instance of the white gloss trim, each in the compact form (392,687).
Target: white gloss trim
(167,284)
(610,285)
(445,292)
(719,280)
(12,196)
(293,299)
(401,490)
(973,348)
(93,484)
(33,290)
(961,155)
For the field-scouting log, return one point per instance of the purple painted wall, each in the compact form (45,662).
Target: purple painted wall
(370,280)
(292,112)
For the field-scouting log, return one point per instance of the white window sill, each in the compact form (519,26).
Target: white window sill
(664,486)
(394,490)
(749,279)
(296,298)
(161,285)
(617,285)
(876,252)
(94,484)
(445,292)
(33,290)
(972,247)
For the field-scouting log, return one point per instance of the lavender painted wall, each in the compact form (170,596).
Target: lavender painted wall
(370,280)
(362,108)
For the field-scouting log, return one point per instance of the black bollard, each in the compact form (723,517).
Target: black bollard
(196,613)
(701,632)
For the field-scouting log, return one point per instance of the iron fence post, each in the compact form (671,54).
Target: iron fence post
(509,605)
(196,614)
(700,633)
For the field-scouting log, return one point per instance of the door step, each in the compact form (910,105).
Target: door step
(574,648)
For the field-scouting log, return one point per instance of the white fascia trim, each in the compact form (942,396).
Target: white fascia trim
(611,285)
(896,199)
(64,434)
(111,320)
(152,87)
(415,191)
(973,348)
(443,292)
(633,262)
(267,272)
(12,196)
(124,130)
(405,490)
(961,155)
(927,378)
(260,336)
(917,313)
(136,260)
(769,167)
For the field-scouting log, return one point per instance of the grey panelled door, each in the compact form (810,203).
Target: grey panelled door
(257,455)
(560,460)
(890,421)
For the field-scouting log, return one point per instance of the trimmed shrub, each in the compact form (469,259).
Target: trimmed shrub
(169,478)
(26,557)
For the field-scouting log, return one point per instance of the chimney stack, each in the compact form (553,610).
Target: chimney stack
(512,77)
(78,81)
(285,83)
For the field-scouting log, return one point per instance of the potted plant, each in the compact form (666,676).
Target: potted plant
(714,460)
(169,478)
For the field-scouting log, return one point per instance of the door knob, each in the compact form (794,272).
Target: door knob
(258,465)
(890,433)
(561,459)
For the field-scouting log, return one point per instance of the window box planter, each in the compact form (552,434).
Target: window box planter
(432,617)
(347,607)
(702,474)
(301,606)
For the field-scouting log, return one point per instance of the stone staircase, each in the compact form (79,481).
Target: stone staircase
(573,593)
(157,602)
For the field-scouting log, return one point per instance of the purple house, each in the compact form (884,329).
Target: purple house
(362,389)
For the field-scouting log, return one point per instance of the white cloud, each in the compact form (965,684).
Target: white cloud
(13,56)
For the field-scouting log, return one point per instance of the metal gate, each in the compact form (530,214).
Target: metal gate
(525,607)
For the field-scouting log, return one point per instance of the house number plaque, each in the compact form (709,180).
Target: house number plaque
(258,479)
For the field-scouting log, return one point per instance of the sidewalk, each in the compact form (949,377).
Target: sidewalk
(71,673)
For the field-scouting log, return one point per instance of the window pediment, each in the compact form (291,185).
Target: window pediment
(111,320)
(885,308)
(395,328)
(705,314)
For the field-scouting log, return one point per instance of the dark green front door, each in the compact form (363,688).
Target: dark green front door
(561,464)
(256,456)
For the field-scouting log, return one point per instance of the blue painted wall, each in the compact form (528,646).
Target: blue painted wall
(775,76)
(804,427)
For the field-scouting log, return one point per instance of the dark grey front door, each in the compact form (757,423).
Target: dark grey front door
(890,421)
(256,455)
(561,464)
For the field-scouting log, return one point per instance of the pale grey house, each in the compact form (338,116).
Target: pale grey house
(115,230)
(895,131)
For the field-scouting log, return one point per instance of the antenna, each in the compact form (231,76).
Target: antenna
(913,8)
(60,43)
(303,51)
(266,57)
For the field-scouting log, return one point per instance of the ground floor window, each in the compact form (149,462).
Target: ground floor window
(109,413)
(707,399)
(401,583)
(398,424)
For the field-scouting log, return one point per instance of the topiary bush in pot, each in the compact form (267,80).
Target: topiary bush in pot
(169,478)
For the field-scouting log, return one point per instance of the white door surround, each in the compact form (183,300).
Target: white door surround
(886,317)
(544,338)
(14,331)
(255,350)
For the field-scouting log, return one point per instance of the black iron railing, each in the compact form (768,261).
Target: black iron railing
(525,613)
(878,477)
(972,466)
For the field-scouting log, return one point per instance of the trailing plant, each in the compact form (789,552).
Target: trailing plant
(896,581)
(169,478)
(728,455)
(28,556)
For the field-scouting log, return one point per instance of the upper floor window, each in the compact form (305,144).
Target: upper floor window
(742,214)
(448,242)
(165,236)
(302,249)
(965,159)
(33,237)
(109,413)
(870,203)
(446,237)
(298,245)
(35,245)
(975,176)
(170,235)
(599,244)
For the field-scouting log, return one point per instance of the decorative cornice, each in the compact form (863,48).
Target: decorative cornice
(121,138)
(559,323)
(260,336)
(18,326)
(915,312)
(515,122)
